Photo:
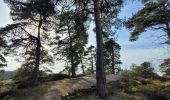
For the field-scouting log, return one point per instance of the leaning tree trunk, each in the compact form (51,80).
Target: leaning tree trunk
(37,56)
(100,73)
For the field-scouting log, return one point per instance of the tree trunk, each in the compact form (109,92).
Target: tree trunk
(73,71)
(100,73)
(169,35)
(82,66)
(113,61)
(168,31)
(92,67)
(37,56)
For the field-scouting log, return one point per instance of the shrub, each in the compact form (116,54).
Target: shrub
(145,70)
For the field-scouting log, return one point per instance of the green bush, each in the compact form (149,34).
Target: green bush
(145,70)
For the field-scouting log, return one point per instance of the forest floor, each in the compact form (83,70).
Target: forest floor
(83,88)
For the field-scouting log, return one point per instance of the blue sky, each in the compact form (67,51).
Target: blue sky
(146,48)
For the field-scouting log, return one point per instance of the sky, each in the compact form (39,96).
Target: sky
(146,48)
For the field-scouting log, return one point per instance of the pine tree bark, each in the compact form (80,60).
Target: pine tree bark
(168,31)
(169,35)
(100,73)
(92,67)
(73,71)
(37,56)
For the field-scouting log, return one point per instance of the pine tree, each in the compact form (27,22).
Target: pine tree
(72,44)
(32,23)
(104,12)
(165,66)
(91,58)
(111,55)
(155,15)
(25,71)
